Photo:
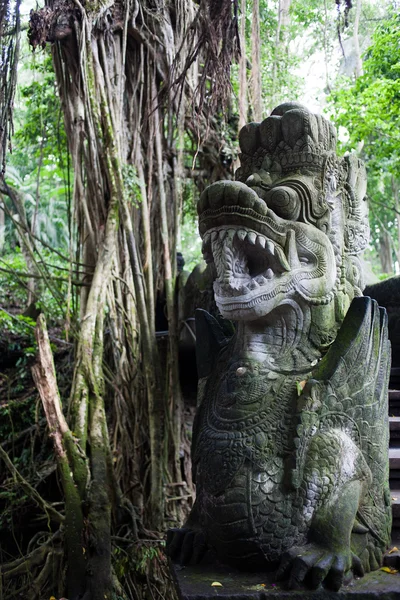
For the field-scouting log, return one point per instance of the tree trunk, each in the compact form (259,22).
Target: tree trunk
(255,66)
(125,128)
(67,457)
(243,103)
(9,52)
(385,253)
(2,223)
(280,45)
(358,71)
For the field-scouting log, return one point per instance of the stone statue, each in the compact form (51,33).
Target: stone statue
(290,440)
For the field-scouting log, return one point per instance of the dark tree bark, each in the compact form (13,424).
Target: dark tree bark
(132,79)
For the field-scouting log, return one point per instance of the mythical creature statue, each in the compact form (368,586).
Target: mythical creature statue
(290,441)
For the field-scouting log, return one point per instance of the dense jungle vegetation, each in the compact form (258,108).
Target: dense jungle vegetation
(114,116)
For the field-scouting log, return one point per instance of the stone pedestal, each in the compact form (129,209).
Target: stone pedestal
(195,583)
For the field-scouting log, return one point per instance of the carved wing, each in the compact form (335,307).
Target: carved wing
(348,391)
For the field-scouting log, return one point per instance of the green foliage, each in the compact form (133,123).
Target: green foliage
(12,289)
(131,185)
(144,555)
(370,107)
(13,284)
(139,557)
(17,325)
(39,164)
(369,110)
(190,245)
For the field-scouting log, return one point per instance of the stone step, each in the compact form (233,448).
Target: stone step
(396,530)
(394,396)
(395,495)
(394,479)
(394,380)
(394,453)
(394,459)
(394,403)
(394,424)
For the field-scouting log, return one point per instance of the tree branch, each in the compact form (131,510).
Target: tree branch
(31,275)
(26,486)
(388,206)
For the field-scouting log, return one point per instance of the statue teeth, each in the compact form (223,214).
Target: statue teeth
(269,274)
(251,238)
(270,246)
(214,235)
(261,241)
(282,258)
(206,243)
(241,233)
(222,234)
(261,280)
(291,250)
(236,291)
(253,284)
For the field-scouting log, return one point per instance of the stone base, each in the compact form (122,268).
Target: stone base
(194,583)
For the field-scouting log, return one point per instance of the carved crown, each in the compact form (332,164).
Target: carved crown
(292,137)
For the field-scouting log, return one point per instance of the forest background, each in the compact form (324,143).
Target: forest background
(114,116)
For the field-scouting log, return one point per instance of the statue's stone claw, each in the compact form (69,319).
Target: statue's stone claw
(314,565)
(186,546)
(357,566)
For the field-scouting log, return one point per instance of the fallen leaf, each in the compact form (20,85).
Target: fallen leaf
(394,549)
(394,499)
(216,584)
(389,570)
(257,588)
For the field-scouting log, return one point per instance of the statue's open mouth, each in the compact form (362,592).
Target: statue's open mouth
(248,262)
(257,255)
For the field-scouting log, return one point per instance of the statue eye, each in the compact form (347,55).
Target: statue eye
(284,201)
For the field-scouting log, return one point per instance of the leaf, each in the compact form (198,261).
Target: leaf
(394,549)
(216,584)
(300,386)
(389,570)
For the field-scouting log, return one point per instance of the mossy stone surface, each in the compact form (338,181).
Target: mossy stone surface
(194,583)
